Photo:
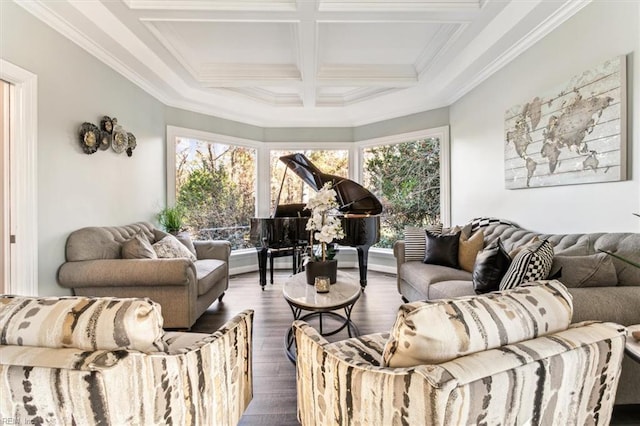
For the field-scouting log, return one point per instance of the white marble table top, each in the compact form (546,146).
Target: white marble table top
(344,292)
(633,346)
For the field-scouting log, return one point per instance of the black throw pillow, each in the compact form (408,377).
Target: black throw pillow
(490,266)
(442,249)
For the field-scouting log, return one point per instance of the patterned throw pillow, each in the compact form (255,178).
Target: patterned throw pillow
(532,263)
(415,241)
(170,247)
(435,332)
(87,323)
(138,247)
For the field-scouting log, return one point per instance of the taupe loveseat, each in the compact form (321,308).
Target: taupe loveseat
(184,288)
(616,300)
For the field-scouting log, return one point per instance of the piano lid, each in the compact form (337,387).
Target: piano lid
(352,197)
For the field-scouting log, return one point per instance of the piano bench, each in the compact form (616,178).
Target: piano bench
(295,253)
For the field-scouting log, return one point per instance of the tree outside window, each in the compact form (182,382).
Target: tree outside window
(215,187)
(405,177)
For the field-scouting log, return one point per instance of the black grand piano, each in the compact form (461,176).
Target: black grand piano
(286,228)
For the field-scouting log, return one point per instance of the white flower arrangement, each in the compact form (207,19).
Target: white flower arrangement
(325,227)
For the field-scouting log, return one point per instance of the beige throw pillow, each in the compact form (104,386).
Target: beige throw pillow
(170,247)
(436,332)
(468,249)
(138,247)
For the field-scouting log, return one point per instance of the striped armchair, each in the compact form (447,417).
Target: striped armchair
(564,377)
(107,361)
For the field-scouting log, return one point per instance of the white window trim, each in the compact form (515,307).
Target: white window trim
(24,279)
(442,133)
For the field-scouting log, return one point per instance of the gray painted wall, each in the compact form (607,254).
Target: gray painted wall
(602,30)
(76,189)
(414,122)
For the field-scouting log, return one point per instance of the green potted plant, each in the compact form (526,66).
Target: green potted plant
(171,219)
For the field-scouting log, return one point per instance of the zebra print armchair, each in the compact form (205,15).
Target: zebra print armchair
(506,358)
(107,361)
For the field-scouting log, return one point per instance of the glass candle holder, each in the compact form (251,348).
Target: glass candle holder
(322,284)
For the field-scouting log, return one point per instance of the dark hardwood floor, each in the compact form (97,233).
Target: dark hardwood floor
(274,386)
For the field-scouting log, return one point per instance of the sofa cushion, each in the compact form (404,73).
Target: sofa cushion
(532,263)
(595,270)
(435,332)
(170,247)
(209,272)
(490,266)
(418,273)
(85,323)
(470,246)
(449,289)
(442,249)
(138,247)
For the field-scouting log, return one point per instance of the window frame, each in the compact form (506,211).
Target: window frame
(263,149)
(173,133)
(442,133)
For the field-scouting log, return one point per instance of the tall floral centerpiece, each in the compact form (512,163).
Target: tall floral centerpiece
(324,228)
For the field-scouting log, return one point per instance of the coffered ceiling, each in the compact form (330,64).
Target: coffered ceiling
(277,63)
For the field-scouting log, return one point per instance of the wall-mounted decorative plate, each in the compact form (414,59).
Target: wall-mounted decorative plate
(90,137)
(120,141)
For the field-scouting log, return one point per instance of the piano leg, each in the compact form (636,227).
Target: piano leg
(363,259)
(262,265)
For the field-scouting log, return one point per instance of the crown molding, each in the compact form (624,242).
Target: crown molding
(228,5)
(240,75)
(392,6)
(532,37)
(268,97)
(352,97)
(358,75)
(49,17)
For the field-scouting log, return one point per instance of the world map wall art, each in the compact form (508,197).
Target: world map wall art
(572,135)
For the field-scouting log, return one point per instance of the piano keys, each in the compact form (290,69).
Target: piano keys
(286,227)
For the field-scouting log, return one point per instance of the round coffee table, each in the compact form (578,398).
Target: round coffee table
(302,297)
(632,347)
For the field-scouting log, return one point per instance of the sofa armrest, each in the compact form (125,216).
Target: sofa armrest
(398,251)
(129,272)
(220,250)
(613,304)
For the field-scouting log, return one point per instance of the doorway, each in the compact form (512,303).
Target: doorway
(5,187)
(18,187)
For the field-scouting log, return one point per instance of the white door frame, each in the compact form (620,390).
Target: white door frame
(23,170)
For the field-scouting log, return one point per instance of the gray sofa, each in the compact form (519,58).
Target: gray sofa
(183,288)
(618,302)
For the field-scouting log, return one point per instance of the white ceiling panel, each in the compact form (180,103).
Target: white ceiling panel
(278,63)
(374,42)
